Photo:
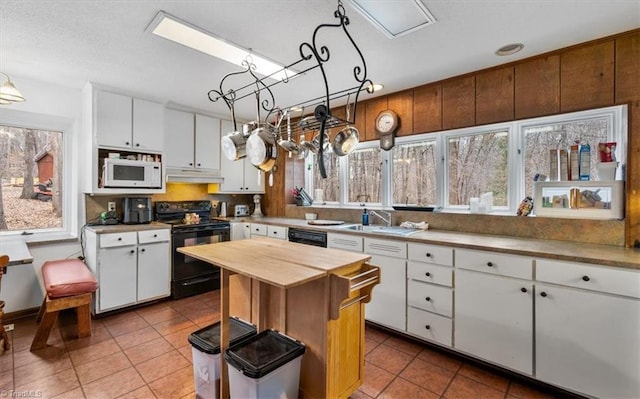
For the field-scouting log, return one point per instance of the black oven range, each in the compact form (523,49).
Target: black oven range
(191,276)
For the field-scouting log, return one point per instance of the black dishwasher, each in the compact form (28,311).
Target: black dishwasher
(317,238)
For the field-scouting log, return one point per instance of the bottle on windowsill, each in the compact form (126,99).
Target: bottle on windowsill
(365,217)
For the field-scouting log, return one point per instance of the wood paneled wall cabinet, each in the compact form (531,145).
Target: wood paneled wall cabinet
(595,74)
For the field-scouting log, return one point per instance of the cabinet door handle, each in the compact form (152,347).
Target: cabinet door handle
(190,163)
(142,250)
(428,299)
(523,289)
(126,143)
(155,236)
(132,252)
(119,238)
(137,144)
(199,164)
(427,274)
(490,264)
(585,278)
(543,294)
(428,327)
(428,255)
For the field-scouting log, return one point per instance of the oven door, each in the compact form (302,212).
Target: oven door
(187,271)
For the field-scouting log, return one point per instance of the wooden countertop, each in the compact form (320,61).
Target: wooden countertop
(276,262)
(606,255)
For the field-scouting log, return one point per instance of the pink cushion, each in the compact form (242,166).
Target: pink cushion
(67,277)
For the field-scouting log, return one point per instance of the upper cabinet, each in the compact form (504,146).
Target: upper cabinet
(117,125)
(192,143)
(240,176)
(123,122)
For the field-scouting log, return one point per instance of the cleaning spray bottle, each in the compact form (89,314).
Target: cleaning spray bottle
(365,217)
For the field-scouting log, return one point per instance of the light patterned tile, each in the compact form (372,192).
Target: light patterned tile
(40,369)
(428,376)
(180,338)
(443,360)
(485,376)
(98,335)
(134,338)
(74,394)
(49,353)
(375,380)
(133,323)
(403,389)
(52,385)
(161,315)
(174,325)
(144,392)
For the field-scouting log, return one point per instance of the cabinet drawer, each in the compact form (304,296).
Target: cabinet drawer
(596,278)
(429,326)
(397,249)
(345,241)
(430,297)
(148,236)
(279,232)
(490,262)
(258,229)
(428,273)
(118,239)
(430,254)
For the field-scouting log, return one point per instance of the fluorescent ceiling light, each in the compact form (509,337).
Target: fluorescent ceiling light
(395,18)
(176,30)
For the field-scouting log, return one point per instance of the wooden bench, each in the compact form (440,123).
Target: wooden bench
(69,284)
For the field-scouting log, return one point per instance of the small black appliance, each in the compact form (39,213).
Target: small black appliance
(137,210)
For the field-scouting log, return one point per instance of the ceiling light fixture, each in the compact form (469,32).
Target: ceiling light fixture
(509,49)
(179,31)
(8,92)
(395,18)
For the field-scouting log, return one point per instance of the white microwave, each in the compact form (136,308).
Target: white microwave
(118,173)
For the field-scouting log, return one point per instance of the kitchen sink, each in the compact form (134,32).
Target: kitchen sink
(379,229)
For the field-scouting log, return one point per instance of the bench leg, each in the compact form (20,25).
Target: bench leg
(42,309)
(44,329)
(83,314)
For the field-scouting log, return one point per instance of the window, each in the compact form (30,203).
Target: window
(331,185)
(364,169)
(476,164)
(36,177)
(447,168)
(415,173)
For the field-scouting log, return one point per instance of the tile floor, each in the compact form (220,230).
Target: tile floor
(144,353)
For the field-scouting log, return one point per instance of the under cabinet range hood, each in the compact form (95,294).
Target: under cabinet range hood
(178,175)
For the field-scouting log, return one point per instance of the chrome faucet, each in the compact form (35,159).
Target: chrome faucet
(386,220)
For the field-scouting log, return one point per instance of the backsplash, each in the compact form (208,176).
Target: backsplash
(607,232)
(96,204)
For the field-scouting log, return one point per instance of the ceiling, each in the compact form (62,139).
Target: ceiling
(70,42)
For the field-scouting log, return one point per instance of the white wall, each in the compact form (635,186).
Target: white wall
(21,286)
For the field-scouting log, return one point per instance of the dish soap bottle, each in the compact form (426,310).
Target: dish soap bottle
(365,217)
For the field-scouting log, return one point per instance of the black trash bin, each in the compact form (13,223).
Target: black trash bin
(205,347)
(266,365)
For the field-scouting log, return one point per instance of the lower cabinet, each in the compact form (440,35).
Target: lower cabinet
(389,300)
(588,340)
(131,267)
(494,319)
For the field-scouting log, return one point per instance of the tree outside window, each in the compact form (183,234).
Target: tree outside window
(30,178)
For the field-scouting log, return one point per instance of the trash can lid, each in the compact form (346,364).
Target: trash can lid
(207,339)
(263,353)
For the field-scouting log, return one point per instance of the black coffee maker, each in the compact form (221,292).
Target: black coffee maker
(137,210)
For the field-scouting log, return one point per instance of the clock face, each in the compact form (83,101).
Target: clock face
(386,122)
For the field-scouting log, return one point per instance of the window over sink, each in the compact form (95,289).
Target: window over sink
(445,169)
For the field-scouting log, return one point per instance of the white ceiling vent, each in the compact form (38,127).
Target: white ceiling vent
(395,17)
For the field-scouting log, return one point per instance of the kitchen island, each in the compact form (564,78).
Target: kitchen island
(315,295)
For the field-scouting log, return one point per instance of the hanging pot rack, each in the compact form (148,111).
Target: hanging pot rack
(316,53)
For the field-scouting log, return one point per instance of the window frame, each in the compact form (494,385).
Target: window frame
(70,196)
(617,117)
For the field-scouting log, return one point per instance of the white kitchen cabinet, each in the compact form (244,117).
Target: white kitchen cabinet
(123,122)
(131,267)
(493,311)
(239,176)
(587,338)
(237,231)
(258,229)
(429,292)
(192,141)
(388,304)
(349,242)
(279,232)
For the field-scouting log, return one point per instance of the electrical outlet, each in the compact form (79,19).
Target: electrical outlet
(111,206)
(8,327)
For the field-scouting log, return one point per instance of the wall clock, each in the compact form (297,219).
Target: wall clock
(386,126)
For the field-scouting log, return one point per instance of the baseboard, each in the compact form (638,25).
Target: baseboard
(20,314)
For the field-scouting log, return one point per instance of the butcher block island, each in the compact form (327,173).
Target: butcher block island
(316,295)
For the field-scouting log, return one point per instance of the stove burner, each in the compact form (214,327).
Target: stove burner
(173,213)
